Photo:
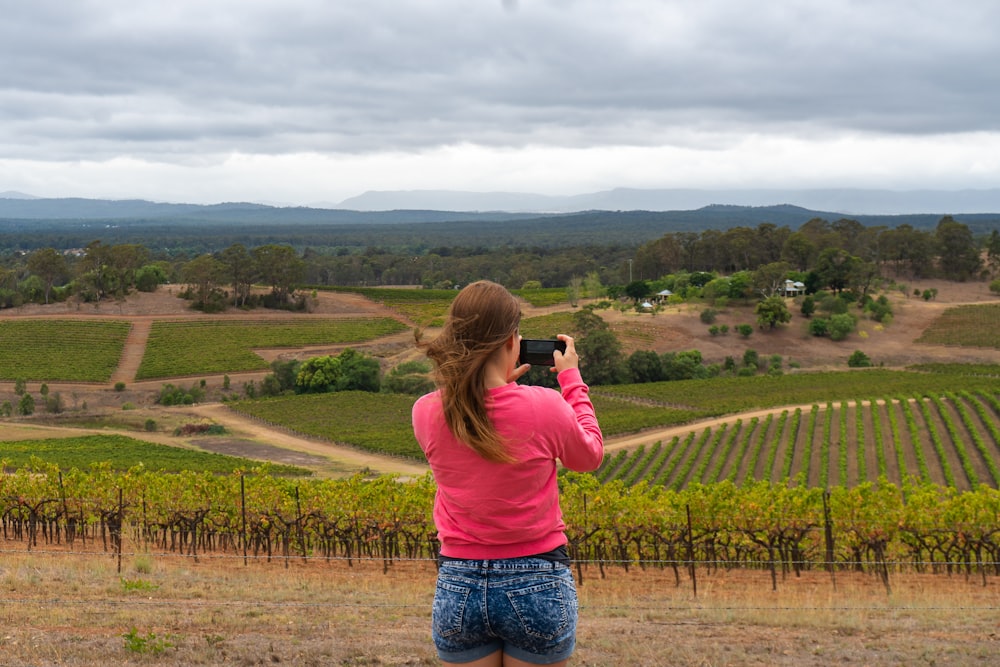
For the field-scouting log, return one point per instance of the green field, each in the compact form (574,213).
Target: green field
(547,326)
(123,453)
(952,440)
(423,307)
(953,446)
(72,350)
(192,347)
(967,326)
(730,395)
(375,422)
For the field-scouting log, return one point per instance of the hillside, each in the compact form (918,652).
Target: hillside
(674,329)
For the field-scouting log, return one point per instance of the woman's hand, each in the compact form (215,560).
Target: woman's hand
(567,359)
(517,372)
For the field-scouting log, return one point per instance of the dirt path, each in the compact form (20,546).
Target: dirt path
(341,456)
(135,348)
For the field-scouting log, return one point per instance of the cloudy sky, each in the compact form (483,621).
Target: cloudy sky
(313,101)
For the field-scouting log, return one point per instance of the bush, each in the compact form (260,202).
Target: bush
(150,425)
(841,326)
(808,306)
(409,377)
(26,406)
(54,403)
(348,370)
(879,309)
(744,330)
(119,386)
(859,360)
(819,326)
(645,366)
(708,315)
(995,286)
(171,395)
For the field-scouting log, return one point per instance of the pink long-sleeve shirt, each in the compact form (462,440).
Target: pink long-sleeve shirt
(486,510)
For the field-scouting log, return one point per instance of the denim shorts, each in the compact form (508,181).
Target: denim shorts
(526,607)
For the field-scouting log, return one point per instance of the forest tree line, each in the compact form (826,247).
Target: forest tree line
(839,255)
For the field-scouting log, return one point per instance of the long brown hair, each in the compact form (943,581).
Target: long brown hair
(482,317)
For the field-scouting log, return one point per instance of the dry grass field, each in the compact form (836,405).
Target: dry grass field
(77,610)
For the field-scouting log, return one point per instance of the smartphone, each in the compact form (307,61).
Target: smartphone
(538,352)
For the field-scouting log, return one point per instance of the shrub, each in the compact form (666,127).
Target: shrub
(171,395)
(645,366)
(841,326)
(54,403)
(119,386)
(819,326)
(808,306)
(744,330)
(150,425)
(26,406)
(708,315)
(348,370)
(879,309)
(859,360)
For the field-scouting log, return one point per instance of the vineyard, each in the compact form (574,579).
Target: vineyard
(949,440)
(973,326)
(190,347)
(374,422)
(878,528)
(121,453)
(946,432)
(71,350)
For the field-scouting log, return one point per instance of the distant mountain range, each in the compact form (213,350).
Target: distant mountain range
(846,201)
(451,204)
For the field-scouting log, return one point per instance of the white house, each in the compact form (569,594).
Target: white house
(794,287)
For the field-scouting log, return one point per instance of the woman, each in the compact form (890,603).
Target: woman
(505,592)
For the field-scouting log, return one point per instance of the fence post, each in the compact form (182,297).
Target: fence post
(828,534)
(121,519)
(243,512)
(690,550)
